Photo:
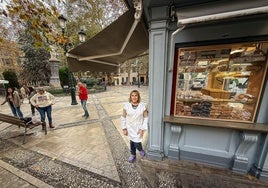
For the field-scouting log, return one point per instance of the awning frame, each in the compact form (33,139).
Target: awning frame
(137,16)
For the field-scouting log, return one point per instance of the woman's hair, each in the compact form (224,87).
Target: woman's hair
(31,89)
(11,92)
(138,93)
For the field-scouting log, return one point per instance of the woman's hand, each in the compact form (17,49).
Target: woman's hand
(140,132)
(125,132)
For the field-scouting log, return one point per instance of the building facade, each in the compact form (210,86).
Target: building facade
(208,82)
(207,75)
(9,57)
(132,75)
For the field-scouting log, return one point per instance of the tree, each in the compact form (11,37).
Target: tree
(12,78)
(7,31)
(10,53)
(34,16)
(35,67)
(64,77)
(40,18)
(63,74)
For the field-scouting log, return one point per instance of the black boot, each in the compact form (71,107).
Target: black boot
(51,126)
(43,126)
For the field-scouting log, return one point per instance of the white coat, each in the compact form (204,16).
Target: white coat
(134,120)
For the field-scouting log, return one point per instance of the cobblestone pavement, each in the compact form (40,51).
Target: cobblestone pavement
(50,159)
(93,153)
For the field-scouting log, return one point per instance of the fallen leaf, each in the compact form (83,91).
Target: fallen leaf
(54,158)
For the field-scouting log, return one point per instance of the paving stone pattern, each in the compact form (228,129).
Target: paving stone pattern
(104,110)
(129,173)
(53,172)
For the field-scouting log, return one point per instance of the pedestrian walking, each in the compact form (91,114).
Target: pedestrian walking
(14,101)
(32,92)
(43,102)
(83,96)
(134,122)
(22,93)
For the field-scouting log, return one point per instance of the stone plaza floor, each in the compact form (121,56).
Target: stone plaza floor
(93,152)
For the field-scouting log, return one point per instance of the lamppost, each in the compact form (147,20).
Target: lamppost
(138,76)
(82,37)
(137,65)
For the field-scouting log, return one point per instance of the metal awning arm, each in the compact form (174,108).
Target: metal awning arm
(138,9)
(137,16)
(96,61)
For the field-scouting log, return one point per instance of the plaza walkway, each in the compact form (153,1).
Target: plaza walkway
(75,140)
(93,152)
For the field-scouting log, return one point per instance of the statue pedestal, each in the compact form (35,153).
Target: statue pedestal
(54,67)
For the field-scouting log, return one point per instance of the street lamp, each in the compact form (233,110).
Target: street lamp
(138,76)
(82,34)
(82,37)
(137,65)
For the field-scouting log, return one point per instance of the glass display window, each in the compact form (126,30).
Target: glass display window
(220,81)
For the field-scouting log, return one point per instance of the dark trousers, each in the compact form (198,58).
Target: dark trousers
(84,105)
(43,111)
(15,110)
(134,146)
(33,109)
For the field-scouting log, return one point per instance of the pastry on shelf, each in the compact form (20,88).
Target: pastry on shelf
(245,98)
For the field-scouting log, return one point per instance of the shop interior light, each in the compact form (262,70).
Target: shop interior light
(229,77)
(202,63)
(250,50)
(238,50)
(232,63)
(220,61)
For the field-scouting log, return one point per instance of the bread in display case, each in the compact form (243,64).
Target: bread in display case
(220,82)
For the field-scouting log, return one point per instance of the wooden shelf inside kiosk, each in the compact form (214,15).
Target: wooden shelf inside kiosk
(216,93)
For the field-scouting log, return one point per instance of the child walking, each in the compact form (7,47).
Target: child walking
(134,122)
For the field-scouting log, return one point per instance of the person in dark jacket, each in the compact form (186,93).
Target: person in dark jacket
(83,96)
(32,92)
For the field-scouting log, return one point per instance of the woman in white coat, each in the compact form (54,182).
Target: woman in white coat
(134,122)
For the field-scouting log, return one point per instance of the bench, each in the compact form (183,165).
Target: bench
(20,122)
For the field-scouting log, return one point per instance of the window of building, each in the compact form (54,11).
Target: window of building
(134,69)
(220,81)
(8,62)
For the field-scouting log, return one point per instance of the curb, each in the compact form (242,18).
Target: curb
(28,178)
